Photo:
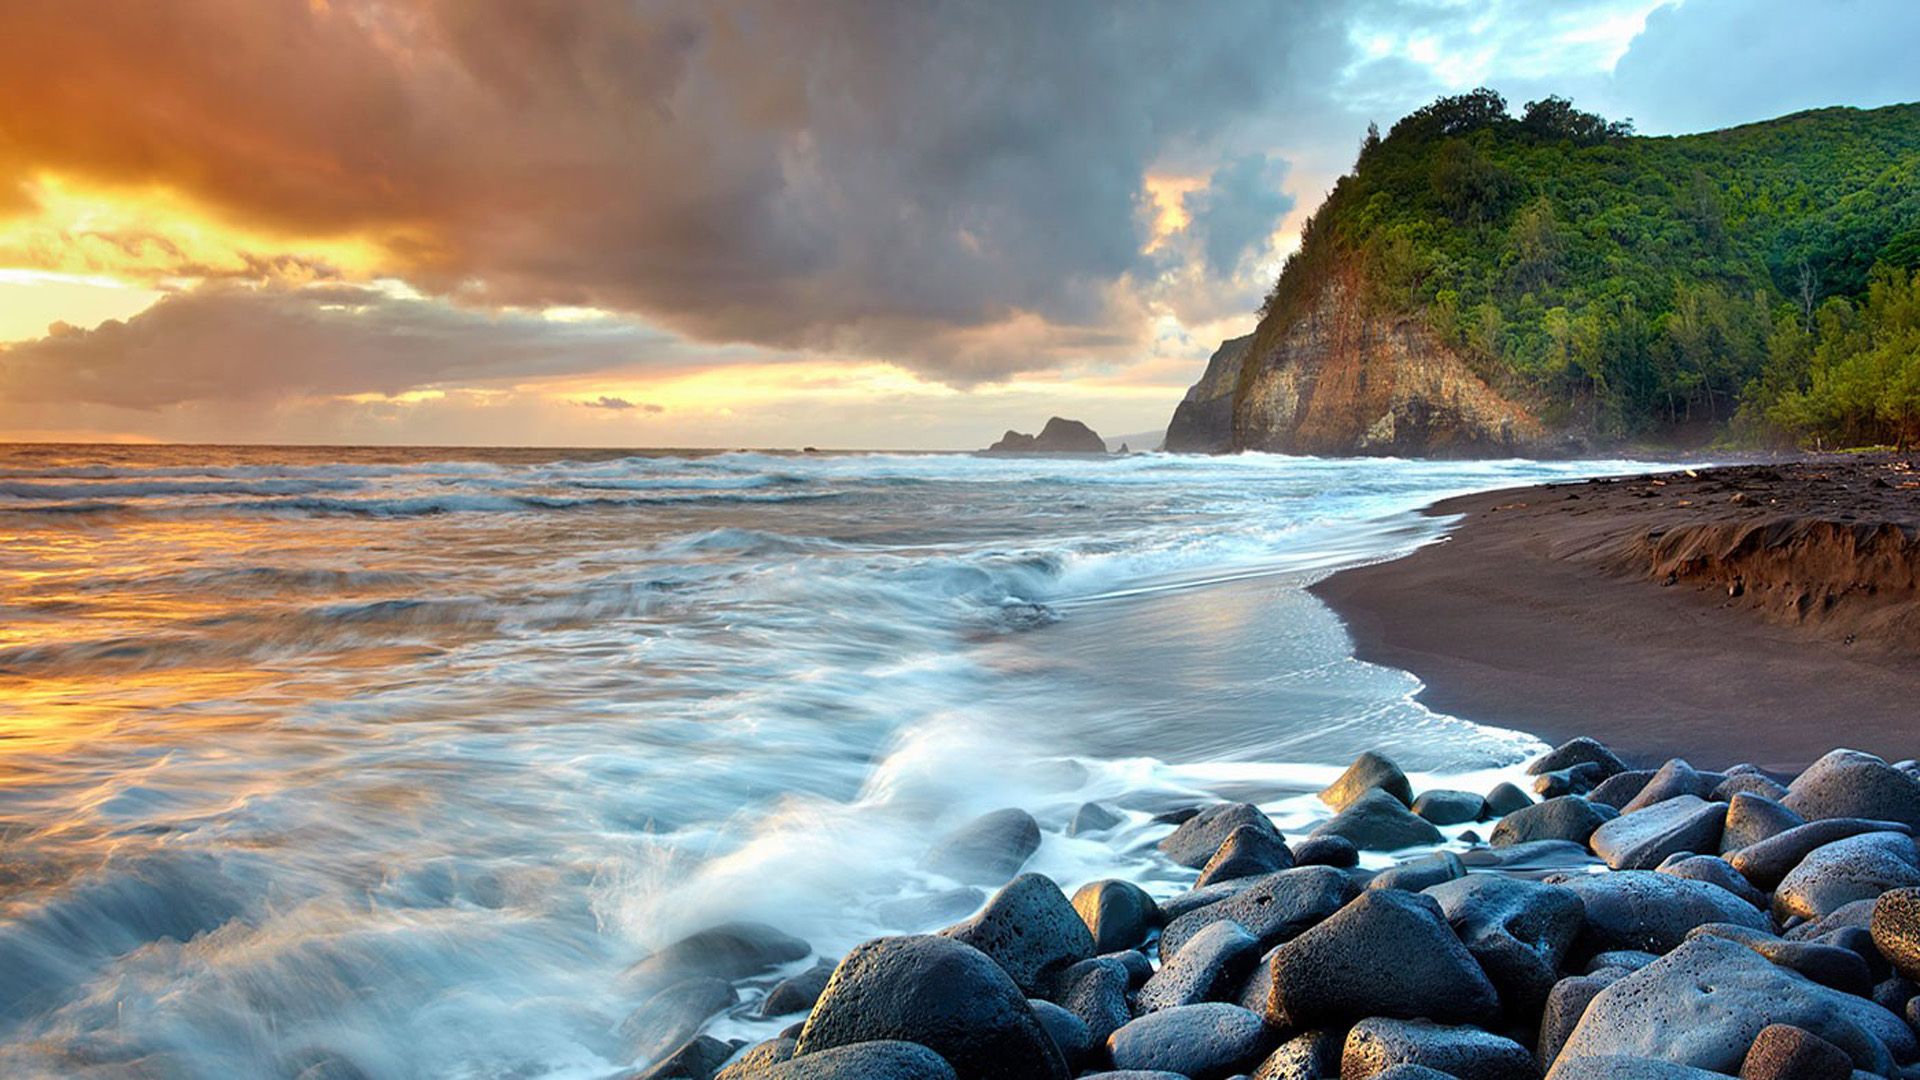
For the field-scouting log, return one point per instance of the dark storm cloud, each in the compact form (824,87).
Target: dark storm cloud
(886,178)
(228,343)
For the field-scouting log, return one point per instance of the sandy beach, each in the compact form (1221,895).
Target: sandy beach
(1755,612)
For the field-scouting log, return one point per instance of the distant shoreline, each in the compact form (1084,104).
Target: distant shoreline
(1759,613)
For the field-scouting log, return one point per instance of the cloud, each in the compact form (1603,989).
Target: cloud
(1712,63)
(1237,210)
(619,404)
(908,181)
(227,343)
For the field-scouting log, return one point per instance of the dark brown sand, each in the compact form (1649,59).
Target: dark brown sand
(1762,613)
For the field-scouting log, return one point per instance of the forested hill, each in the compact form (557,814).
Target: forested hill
(1629,287)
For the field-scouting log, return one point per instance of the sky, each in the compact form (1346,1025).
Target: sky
(898,224)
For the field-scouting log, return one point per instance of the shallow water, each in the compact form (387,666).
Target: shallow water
(401,758)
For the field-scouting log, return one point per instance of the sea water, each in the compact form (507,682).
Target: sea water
(396,760)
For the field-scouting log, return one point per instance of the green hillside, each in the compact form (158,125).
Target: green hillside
(1642,287)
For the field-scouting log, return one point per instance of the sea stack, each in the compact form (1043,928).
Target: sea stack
(1060,436)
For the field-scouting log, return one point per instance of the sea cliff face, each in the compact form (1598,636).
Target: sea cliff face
(1203,422)
(1345,379)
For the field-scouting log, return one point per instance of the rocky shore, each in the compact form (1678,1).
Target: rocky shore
(1664,923)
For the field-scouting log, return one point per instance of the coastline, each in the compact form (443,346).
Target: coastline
(1759,613)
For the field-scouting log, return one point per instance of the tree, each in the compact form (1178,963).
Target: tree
(1470,188)
(1554,117)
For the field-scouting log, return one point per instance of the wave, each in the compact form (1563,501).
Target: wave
(158,489)
(413,506)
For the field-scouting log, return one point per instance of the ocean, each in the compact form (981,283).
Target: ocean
(396,760)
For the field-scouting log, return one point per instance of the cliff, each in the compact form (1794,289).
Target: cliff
(1203,422)
(1344,378)
(1482,284)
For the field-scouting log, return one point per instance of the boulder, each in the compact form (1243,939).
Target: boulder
(1895,926)
(1248,851)
(1842,969)
(1628,1068)
(1273,908)
(732,950)
(1568,817)
(1210,966)
(1505,798)
(1673,779)
(1378,821)
(1518,931)
(1387,953)
(1566,1003)
(988,850)
(1096,991)
(674,1015)
(1531,857)
(1310,1055)
(1412,1072)
(1751,783)
(1714,871)
(1650,911)
(1378,1044)
(1642,839)
(1369,772)
(1766,863)
(1857,868)
(1194,842)
(938,992)
(760,1057)
(1577,780)
(1119,914)
(1859,913)
(882,1059)
(1092,818)
(1069,1033)
(1414,875)
(1206,896)
(1703,1004)
(1618,790)
(1029,929)
(1752,818)
(1577,751)
(697,1059)
(1204,1042)
(1850,784)
(1444,807)
(796,993)
(1785,1052)
(1326,851)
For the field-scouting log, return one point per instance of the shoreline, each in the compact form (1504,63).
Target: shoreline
(1761,613)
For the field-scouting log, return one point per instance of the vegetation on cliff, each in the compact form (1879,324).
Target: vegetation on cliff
(1630,286)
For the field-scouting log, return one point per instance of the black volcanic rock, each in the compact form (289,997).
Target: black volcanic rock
(1388,953)
(1060,436)
(1030,929)
(939,993)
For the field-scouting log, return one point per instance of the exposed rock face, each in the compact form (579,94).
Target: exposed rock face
(1345,379)
(1203,422)
(1060,436)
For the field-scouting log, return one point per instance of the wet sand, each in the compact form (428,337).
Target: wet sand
(1762,613)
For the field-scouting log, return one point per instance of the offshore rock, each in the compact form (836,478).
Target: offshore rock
(1060,436)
